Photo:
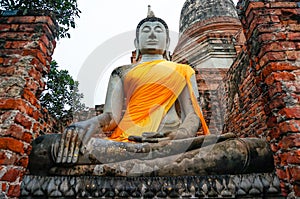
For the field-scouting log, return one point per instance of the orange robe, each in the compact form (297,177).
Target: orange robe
(151,89)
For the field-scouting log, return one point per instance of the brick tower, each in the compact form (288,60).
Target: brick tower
(210,38)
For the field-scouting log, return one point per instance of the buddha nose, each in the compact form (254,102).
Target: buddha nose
(152,35)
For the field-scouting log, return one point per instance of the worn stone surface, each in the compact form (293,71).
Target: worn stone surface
(204,155)
(199,10)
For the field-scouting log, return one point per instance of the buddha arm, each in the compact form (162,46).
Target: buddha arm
(190,120)
(76,136)
(114,101)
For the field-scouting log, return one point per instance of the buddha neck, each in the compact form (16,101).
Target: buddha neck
(151,57)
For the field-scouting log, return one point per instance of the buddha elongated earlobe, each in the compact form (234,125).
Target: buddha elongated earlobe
(137,51)
(167,52)
(167,55)
(137,54)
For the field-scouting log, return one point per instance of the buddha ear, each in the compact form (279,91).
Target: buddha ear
(136,44)
(167,52)
(137,50)
(168,43)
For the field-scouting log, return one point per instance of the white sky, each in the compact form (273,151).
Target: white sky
(103,40)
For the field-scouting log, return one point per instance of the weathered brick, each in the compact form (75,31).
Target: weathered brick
(292,86)
(283,4)
(279,76)
(273,36)
(21,19)
(293,36)
(35,74)
(12,144)
(11,175)
(277,66)
(296,190)
(290,113)
(281,174)
(25,51)
(14,191)
(7,158)
(31,98)
(294,172)
(292,126)
(47,21)
(294,27)
(293,157)
(15,36)
(16,44)
(272,56)
(23,162)
(27,137)
(23,120)
(4,185)
(36,115)
(15,131)
(277,102)
(270,28)
(32,85)
(293,55)
(274,132)
(7,71)
(5,27)
(290,141)
(15,104)
(253,6)
(277,47)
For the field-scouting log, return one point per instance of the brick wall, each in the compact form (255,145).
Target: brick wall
(263,84)
(243,100)
(26,46)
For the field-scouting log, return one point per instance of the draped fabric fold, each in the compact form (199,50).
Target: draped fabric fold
(151,89)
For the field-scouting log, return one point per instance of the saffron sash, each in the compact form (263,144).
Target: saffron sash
(151,89)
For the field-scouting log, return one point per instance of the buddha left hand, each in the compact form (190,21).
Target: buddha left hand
(155,137)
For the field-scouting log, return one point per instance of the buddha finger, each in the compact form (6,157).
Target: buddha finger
(67,144)
(77,145)
(61,147)
(86,138)
(72,145)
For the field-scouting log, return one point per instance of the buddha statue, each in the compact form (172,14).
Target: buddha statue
(150,132)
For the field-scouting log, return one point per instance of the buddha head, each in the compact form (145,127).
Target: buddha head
(152,36)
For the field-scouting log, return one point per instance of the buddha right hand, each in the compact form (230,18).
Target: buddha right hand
(76,136)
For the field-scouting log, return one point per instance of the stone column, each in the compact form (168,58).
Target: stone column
(26,46)
(272,30)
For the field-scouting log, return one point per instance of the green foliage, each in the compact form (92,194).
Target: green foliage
(61,96)
(65,11)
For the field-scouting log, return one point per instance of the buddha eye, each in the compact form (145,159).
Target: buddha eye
(146,29)
(158,29)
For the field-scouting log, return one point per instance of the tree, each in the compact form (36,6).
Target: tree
(65,11)
(61,96)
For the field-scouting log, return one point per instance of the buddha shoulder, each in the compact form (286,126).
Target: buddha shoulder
(121,71)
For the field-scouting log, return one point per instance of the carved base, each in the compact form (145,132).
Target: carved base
(263,185)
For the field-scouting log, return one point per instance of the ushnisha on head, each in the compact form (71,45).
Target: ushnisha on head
(152,36)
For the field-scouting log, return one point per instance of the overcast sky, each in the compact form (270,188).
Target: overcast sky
(103,40)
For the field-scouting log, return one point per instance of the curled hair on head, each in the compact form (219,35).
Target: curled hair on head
(151,19)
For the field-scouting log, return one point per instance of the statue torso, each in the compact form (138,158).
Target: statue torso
(171,120)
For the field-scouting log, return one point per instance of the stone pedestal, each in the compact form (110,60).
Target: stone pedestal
(263,185)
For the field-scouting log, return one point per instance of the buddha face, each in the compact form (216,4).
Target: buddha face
(153,38)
